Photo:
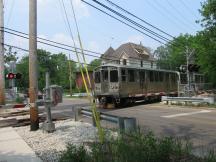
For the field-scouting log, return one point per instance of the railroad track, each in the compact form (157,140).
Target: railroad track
(21,118)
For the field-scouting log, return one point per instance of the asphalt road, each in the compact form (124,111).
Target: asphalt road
(196,124)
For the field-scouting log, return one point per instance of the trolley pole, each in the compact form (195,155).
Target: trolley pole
(2,73)
(33,73)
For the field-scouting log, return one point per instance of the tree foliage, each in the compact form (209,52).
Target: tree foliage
(56,64)
(203,43)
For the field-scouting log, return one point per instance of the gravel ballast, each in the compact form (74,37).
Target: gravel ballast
(49,145)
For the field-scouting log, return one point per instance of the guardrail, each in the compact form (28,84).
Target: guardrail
(209,100)
(124,123)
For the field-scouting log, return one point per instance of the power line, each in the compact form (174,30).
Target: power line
(188,9)
(157,8)
(26,50)
(65,45)
(133,22)
(112,58)
(183,18)
(123,22)
(168,43)
(112,3)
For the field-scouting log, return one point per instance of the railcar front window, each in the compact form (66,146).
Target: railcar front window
(131,76)
(123,73)
(97,77)
(113,76)
(105,75)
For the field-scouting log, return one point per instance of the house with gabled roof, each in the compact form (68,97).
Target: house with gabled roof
(130,54)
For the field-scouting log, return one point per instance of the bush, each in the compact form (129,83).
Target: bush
(135,147)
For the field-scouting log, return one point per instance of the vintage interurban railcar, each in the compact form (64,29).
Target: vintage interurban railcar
(120,84)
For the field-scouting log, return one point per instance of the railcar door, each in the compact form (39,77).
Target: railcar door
(105,80)
(143,85)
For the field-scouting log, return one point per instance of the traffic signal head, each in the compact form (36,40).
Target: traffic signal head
(10,76)
(182,68)
(18,76)
(13,76)
(193,67)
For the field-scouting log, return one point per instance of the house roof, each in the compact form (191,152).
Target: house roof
(132,50)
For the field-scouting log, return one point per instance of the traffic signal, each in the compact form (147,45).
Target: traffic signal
(18,76)
(13,76)
(193,68)
(182,69)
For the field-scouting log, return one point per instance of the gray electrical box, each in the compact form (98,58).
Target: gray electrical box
(55,94)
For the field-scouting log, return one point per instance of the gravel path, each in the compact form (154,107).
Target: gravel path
(48,145)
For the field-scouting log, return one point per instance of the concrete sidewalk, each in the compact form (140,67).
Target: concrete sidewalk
(14,149)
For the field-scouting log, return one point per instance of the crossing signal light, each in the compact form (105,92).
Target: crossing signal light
(13,76)
(18,76)
(182,69)
(193,67)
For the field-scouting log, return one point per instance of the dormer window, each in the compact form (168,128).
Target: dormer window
(140,51)
(124,62)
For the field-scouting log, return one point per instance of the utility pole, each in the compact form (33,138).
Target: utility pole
(2,74)
(33,73)
(70,75)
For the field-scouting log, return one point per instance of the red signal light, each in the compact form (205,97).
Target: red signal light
(10,76)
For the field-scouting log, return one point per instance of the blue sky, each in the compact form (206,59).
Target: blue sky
(98,31)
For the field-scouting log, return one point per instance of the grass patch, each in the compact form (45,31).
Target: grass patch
(135,147)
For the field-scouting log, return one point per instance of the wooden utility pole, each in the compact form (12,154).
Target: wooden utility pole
(33,66)
(2,74)
(70,75)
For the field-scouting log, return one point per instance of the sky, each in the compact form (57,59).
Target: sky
(98,31)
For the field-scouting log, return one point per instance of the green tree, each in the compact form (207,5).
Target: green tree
(207,39)
(56,64)
(173,54)
(94,63)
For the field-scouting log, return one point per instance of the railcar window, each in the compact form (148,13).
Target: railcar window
(142,76)
(183,78)
(131,76)
(156,76)
(161,76)
(104,75)
(173,77)
(97,77)
(123,75)
(151,76)
(113,76)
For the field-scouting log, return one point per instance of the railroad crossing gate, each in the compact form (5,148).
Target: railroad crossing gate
(56,94)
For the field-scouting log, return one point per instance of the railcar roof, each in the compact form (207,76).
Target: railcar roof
(134,67)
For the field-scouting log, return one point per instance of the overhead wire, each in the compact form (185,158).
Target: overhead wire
(26,50)
(133,22)
(167,42)
(188,9)
(159,9)
(111,58)
(123,22)
(179,13)
(144,21)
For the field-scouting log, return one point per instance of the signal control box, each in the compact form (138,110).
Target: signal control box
(55,94)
